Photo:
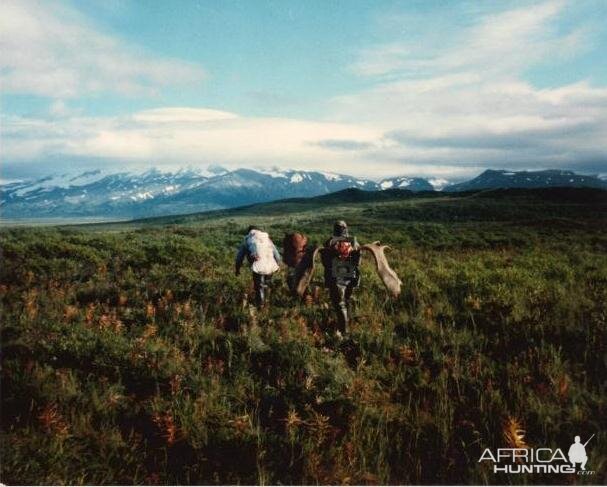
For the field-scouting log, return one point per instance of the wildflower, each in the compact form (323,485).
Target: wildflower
(514,434)
(52,420)
(241,424)
(150,310)
(167,426)
(70,312)
(408,355)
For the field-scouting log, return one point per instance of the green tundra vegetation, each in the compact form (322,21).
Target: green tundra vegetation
(131,355)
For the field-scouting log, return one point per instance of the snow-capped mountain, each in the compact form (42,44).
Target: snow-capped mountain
(130,195)
(494,179)
(92,193)
(123,195)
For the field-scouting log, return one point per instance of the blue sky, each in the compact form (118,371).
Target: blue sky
(375,88)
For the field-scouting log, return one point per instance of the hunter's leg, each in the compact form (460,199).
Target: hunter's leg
(258,285)
(291,280)
(349,291)
(267,288)
(338,297)
(263,290)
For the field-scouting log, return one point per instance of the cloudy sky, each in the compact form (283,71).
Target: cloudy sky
(370,88)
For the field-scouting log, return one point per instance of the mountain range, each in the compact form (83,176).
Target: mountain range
(126,195)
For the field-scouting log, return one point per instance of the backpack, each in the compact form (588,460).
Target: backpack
(293,248)
(341,259)
(343,248)
(261,247)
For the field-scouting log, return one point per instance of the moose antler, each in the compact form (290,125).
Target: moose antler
(305,270)
(385,272)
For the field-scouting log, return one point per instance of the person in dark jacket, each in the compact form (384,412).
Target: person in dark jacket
(341,259)
(263,258)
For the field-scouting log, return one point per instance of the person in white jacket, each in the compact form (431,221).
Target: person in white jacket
(263,257)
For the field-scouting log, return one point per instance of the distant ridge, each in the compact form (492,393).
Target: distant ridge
(494,179)
(354,195)
(351,197)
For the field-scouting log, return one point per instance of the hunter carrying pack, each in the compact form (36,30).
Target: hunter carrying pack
(261,249)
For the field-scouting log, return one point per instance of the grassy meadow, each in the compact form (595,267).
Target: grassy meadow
(131,355)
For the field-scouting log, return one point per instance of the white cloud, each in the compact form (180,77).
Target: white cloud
(496,43)
(180,136)
(182,115)
(50,50)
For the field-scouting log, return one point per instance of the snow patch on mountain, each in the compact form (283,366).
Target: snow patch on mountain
(438,183)
(74,199)
(273,172)
(329,176)
(142,196)
(58,181)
